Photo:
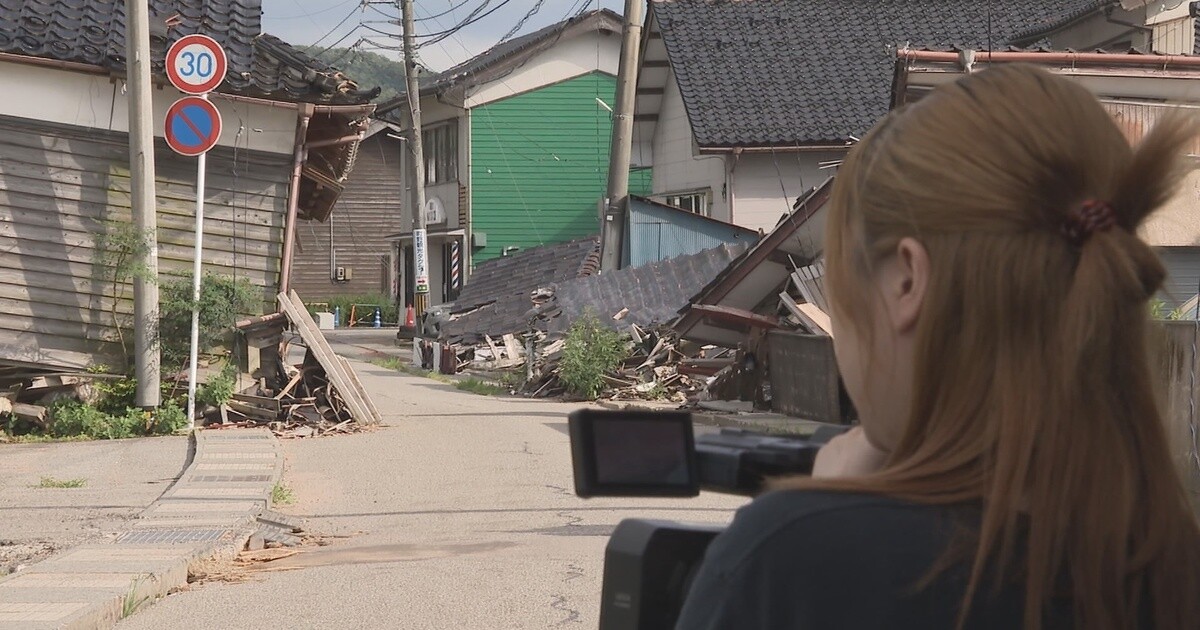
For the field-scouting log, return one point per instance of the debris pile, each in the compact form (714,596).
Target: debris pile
(320,396)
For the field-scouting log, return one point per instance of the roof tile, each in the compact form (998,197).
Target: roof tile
(811,72)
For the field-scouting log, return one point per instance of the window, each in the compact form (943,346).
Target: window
(440,144)
(695,202)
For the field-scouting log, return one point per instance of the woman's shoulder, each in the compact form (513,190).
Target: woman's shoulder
(831,524)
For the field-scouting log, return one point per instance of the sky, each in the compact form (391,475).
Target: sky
(303,22)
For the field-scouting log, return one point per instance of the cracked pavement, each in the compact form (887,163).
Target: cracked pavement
(459,513)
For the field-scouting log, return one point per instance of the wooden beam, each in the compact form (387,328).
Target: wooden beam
(736,316)
(343,379)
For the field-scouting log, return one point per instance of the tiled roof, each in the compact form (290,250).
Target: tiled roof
(653,293)
(815,72)
(603,19)
(500,288)
(93,32)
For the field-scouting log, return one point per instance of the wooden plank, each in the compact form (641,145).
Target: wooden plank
(492,346)
(819,318)
(319,346)
(252,411)
(512,347)
(362,391)
(271,404)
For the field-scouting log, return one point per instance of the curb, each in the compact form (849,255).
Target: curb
(208,513)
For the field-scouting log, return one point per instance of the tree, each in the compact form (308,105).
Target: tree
(367,69)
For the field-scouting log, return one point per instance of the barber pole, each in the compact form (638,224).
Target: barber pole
(454,266)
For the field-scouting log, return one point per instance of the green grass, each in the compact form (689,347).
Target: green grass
(282,495)
(471,385)
(483,388)
(51,482)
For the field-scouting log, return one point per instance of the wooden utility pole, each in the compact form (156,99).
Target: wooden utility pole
(613,227)
(145,219)
(420,270)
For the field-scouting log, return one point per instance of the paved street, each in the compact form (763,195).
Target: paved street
(459,514)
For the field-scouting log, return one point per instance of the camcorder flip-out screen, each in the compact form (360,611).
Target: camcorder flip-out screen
(633,453)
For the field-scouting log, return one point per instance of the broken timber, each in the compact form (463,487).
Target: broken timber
(342,378)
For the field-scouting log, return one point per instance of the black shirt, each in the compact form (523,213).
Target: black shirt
(833,560)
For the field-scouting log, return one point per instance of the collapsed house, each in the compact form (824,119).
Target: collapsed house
(290,138)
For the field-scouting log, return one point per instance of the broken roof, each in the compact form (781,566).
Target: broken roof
(476,69)
(497,297)
(756,276)
(653,293)
(791,73)
(92,32)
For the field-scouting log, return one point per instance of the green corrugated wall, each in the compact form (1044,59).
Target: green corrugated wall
(539,164)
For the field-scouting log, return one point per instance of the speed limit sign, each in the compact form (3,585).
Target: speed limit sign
(196,64)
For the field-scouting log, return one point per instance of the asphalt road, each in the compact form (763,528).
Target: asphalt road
(120,479)
(459,514)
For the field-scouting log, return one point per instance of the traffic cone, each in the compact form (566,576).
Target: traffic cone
(410,318)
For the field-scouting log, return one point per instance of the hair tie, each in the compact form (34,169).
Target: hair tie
(1091,216)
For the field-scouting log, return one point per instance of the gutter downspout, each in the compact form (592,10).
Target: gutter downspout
(730,179)
(289,229)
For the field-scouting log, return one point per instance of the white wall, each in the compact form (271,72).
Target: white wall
(98,102)
(569,58)
(766,185)
(676,168)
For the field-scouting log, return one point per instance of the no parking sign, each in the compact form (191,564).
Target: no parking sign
(196,65)
(193,126)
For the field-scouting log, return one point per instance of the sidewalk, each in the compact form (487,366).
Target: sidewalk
(208,512)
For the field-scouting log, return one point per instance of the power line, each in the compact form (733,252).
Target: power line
(471,19)
(334,30)
(520,23)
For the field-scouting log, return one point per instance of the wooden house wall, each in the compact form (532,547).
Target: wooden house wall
(62,188)
(367,212)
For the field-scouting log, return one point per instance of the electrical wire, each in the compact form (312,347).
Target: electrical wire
(520,23)
(334,30)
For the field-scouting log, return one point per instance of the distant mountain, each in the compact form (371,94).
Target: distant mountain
(366,68)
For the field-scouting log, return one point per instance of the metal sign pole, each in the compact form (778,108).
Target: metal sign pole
(197,259)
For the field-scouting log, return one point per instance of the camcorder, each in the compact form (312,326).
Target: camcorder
(649,565)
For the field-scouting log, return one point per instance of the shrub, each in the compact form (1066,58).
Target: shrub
(219,388)
(366,313)
(591,352)
(223,301)
(169,418)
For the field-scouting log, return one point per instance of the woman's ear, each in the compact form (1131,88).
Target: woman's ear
(904,278)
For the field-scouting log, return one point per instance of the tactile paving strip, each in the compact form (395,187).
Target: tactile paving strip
(173,536)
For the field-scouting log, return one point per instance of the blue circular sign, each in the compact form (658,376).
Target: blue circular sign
(193,126)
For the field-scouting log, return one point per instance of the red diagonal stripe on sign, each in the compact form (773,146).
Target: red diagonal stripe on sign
(203,138)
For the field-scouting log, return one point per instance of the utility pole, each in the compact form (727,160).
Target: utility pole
(145,219)
(613,226)
(420,271)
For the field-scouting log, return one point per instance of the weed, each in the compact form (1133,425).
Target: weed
(591,352)
(132,602)
(51,482)
(169,418)
(219,388)
(365,310)
(483,388)
(282,495)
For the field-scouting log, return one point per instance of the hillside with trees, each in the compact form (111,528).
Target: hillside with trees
(366,68)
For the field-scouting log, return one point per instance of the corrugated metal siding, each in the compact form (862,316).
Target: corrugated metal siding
(368,211)
(539,164)
(1183,273)
(657,233)
(1176,37)
(62,188)
(1137,119)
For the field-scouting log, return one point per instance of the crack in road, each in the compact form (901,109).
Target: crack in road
(560,604)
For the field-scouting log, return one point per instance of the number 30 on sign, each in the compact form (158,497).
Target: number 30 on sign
(196,64)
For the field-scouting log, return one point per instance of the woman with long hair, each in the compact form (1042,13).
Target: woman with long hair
(989,298)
